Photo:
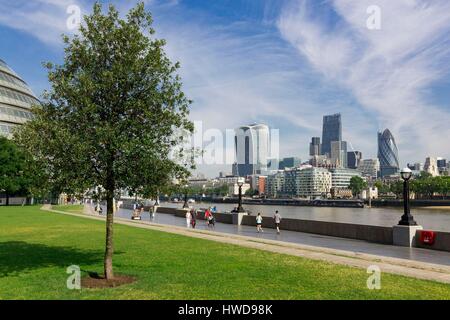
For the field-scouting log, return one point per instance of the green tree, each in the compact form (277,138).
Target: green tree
(382,188)
(221,190)
(12,168)
(357,184)
(424,175)
(396,188)
(115,115)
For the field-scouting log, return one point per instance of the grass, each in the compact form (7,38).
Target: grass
(36,247)
(69,208)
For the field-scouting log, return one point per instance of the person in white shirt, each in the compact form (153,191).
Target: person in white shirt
(277,219)
(259,223)
(188,219)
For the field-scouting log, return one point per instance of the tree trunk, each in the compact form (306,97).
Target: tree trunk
(7,199)
(109,249)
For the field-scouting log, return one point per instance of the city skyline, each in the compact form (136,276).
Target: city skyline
(260,52)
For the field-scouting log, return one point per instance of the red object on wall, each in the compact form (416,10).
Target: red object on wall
(427,237)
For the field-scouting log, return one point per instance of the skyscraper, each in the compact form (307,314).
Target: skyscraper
(387,154)
(441,163)
(431,166)
(331,131)
(353,159)
(339,154)
(315,147)
(290,162)
(252,149)
(369,168)
(16,99)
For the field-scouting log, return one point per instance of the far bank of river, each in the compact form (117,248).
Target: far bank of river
(436,218)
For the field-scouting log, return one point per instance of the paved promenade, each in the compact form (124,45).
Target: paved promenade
(357,246)
(413,262)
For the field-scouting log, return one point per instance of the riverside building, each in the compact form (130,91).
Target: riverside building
(16,99)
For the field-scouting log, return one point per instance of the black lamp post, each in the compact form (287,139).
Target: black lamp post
(240,184)
(186,205)
(407,218)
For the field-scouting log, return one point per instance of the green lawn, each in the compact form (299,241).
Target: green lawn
(36,247)
(69,208)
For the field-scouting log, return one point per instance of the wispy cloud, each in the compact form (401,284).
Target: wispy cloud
(292,61)
(388,71)
(43,19)
(47,19)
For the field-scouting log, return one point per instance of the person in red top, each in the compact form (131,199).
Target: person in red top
(207,215)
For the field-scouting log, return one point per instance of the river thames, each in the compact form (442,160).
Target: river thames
(435,218)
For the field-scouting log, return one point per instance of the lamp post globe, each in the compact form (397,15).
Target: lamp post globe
(406,173)
(407,219)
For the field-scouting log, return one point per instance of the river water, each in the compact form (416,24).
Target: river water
(435,218)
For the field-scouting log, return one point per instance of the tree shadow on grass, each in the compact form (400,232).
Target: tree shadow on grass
(20,256)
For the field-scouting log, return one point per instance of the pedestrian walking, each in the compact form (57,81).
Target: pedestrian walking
(193,218)
(207,215)
(152,212)
(188,218)
(277,219)
(211,221)
(259,220)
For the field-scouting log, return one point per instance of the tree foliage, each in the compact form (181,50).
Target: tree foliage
(12,168)
(115,116)
(357,184)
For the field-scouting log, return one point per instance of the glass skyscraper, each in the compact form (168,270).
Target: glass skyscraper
(16,99)
(387,154)
(315,147)
(331,131)
(252,149)
(353,159)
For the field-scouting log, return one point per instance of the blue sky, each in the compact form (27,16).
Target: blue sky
(285,63)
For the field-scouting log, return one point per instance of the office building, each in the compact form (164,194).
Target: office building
(321,161)
(353,159)
(16,99)
(275,184)
(257,183)
(387,154)
(315,147)
(369,168)
(431,166)
(339,154)
(441,163)
(331,131)
(340,177)
(416,166)
(251,149)
(290,162)
(314,182)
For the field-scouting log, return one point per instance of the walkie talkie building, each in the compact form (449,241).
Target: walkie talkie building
(16,99)
(387,154)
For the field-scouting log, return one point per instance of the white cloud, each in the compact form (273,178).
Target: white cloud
(242,72)
(43,19)
(386,70)
(47,19)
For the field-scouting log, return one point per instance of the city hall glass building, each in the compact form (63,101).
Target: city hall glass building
(16,99)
